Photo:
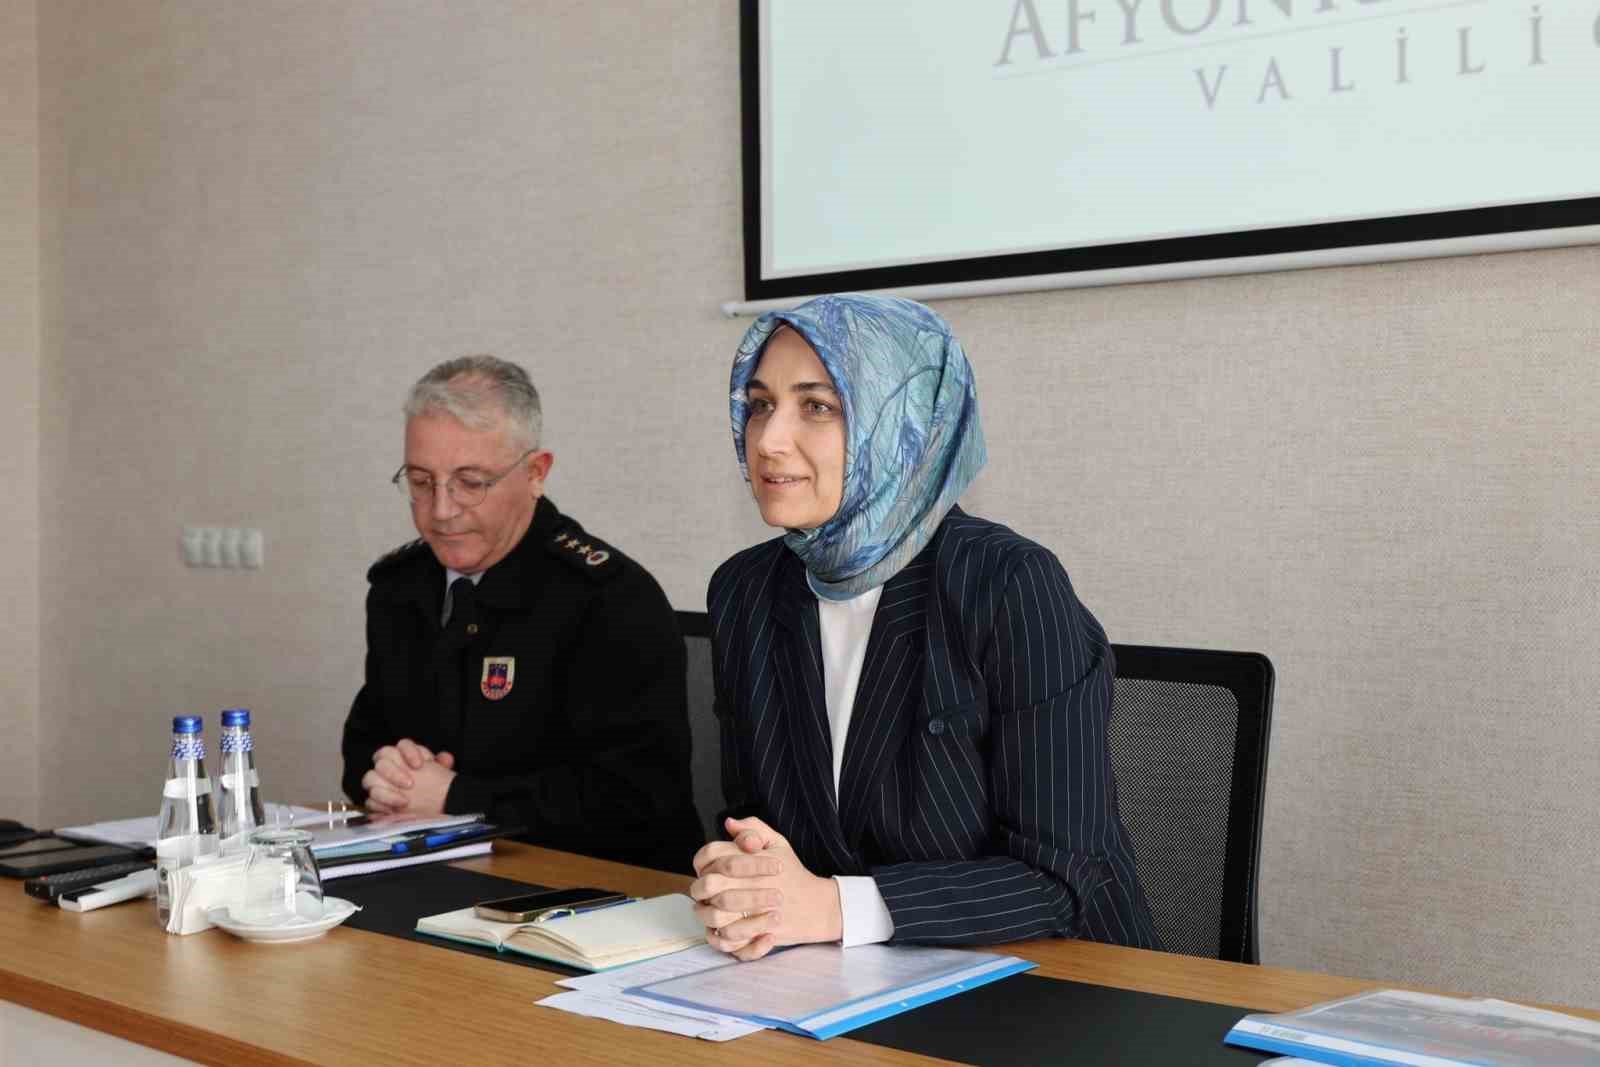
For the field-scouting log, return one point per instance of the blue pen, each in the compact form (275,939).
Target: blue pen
(581,909)
(412,844)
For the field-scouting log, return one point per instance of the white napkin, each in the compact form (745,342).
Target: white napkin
(210,882)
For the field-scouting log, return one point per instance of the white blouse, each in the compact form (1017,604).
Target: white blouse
(845,626)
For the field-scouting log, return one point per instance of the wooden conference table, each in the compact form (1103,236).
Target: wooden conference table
(354,997)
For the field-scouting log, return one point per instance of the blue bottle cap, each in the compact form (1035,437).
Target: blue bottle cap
(188,724)
(236,717)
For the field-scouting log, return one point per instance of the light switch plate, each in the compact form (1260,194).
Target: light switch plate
(211,537)
(228,547)
(192,545)
(253,549)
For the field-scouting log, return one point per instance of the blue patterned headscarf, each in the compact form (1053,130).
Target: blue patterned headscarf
(913,442)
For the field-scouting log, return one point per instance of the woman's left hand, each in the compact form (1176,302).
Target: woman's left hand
(753,894)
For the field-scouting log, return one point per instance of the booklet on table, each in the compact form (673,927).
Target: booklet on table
(822,991)
(1392,1026)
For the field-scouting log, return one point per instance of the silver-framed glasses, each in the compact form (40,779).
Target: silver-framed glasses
(466,487)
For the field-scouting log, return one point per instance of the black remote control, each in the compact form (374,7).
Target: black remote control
(50,886)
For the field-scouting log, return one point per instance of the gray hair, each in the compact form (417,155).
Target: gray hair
(481,393)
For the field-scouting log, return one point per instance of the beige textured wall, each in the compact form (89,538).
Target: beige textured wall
(266,218)
(19,408)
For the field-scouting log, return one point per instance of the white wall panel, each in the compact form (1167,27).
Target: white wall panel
(263,220)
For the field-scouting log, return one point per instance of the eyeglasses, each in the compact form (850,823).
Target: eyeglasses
(466,488)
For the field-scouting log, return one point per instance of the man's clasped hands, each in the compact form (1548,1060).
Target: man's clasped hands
(407,779)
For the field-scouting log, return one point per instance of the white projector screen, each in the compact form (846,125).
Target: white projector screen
(907,143)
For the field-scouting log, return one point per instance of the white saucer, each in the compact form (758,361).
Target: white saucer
(335,910)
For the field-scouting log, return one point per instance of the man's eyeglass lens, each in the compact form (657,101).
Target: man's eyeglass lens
(466,491)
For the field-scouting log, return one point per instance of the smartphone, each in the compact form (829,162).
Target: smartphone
(38,844)
(534,907)
(64,859)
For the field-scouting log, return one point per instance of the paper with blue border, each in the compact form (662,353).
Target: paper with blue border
(1400,1028)
(823,991)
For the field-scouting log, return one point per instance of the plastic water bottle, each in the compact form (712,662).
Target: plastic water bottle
(186,829)
(239,809)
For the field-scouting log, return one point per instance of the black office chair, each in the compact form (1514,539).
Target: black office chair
(1188,738)
(705,765)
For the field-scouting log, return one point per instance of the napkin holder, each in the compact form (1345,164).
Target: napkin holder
(210,882)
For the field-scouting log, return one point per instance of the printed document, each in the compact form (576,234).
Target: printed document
(825,990)
(141,832)
(602,996)
(1394,1026)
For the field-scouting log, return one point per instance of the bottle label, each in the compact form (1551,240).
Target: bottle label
(237,741)
(186,788)
(188,746)
(230,780)
(184,849)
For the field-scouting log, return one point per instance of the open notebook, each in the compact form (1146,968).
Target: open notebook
(591,941)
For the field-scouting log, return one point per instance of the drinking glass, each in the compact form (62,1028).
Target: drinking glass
(281,883)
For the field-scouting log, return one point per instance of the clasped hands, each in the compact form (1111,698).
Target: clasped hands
(754,895)
(407,779)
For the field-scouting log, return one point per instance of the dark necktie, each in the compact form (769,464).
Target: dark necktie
(459,612)
(458,600)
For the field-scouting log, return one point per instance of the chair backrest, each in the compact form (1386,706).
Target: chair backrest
(1188,738)
(705,765)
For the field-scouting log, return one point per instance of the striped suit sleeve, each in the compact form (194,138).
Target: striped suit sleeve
(1053,842)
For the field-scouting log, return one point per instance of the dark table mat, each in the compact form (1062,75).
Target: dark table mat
(1027,1020)
(1016,1021)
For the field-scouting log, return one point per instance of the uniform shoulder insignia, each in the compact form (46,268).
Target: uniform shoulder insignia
(396,559)
(584,553)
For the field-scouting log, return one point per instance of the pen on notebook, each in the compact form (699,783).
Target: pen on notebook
(412,844)
(404,842)
(580,909)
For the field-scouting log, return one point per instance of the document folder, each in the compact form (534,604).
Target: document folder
(823,991)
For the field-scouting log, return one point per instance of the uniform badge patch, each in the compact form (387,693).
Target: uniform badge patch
(498,674)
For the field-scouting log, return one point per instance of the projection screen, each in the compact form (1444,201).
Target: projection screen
(908,144)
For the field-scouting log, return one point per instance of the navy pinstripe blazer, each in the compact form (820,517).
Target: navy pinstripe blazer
(977,786)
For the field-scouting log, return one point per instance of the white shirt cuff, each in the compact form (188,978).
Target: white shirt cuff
(866,916)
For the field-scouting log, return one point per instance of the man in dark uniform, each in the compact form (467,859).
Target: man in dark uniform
(517,665)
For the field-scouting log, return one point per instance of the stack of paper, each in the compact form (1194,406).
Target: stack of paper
(141,832)
(368,843)
(819,991)
(344,843)
(823,991)
(1392,1026)
(346,867)
(375,833)
(603,996)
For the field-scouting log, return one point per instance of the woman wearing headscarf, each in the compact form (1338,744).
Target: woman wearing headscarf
(913,702)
